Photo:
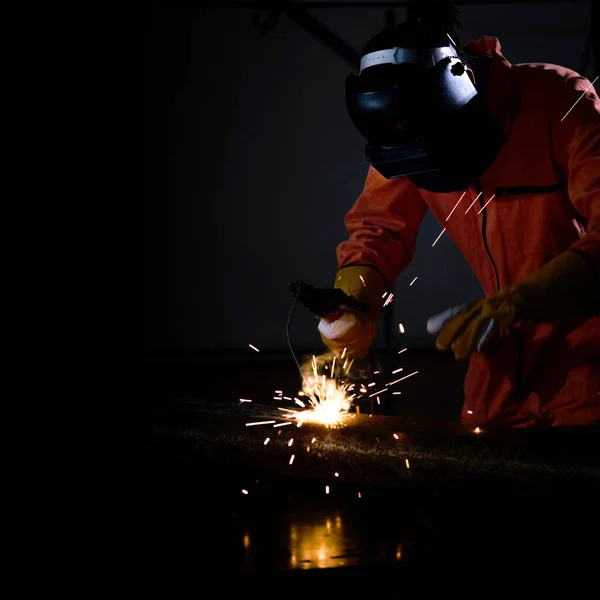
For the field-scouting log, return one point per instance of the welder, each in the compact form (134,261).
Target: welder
(507,158)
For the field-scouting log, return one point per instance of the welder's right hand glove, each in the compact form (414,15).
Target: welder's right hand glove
(355,331)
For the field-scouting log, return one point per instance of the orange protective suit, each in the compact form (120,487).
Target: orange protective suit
(543,198)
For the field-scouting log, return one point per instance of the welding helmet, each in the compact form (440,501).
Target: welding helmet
(420,112)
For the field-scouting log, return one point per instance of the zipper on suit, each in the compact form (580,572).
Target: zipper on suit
(484,231)
(513,333)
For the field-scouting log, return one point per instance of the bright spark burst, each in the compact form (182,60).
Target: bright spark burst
(402,378)
(254,348)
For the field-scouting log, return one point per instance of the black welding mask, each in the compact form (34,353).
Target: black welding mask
(422,117)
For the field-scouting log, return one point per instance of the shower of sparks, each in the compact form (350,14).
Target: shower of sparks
(260,423)
(299,402)
(254,348)
(327,489)
(412,281)
(388,300)
(337,474)
(282,424)
(291,441)
(292,459)
(397,371)
(470,205)
(481,209)
(404,350)
(244,491)
(438,237)
(379,392)
(363,281)
(407,463)
(396,393)
(244,400)
(267,441)
(402,378)
(401,330)
(344,353)
(396,436)
(578,99)
(455,206)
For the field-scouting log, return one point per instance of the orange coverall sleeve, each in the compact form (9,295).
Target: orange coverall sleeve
(576,141)
(383,226)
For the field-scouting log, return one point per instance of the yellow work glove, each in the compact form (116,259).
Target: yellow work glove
(566,287)
(355,331)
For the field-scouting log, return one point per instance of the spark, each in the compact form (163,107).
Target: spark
(396,436)
(254,348)
(379,392)
(282,424)
(396,393)
(400,329)
(384,295)
(267,441)
(401,351)
(333,366)
(388,300)
(455,206)
(405,377)
(397,371)
(412,281)
(313,440)
(578,99)
(349,366)
(327,489)
(308,448)
(468,209)
(375,372)
(286,398)
(288,409)
(378,440)
(299,402)
(486,203)
(244,491)
(438,237)
(276,397)
(378,401)
(301,393)
(371,384)
(477,430)
(407,463)
(244,400)
(278,391)
(292,459)
(359,495)
(470,412)
(363,281)
(337,474)
(260,423)
(344,353)
(291,441)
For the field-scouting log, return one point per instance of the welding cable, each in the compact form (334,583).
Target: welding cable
(287,332)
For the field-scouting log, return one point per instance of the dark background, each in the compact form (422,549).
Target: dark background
(252,163)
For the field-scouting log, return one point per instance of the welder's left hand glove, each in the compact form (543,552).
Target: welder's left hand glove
(566,287)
